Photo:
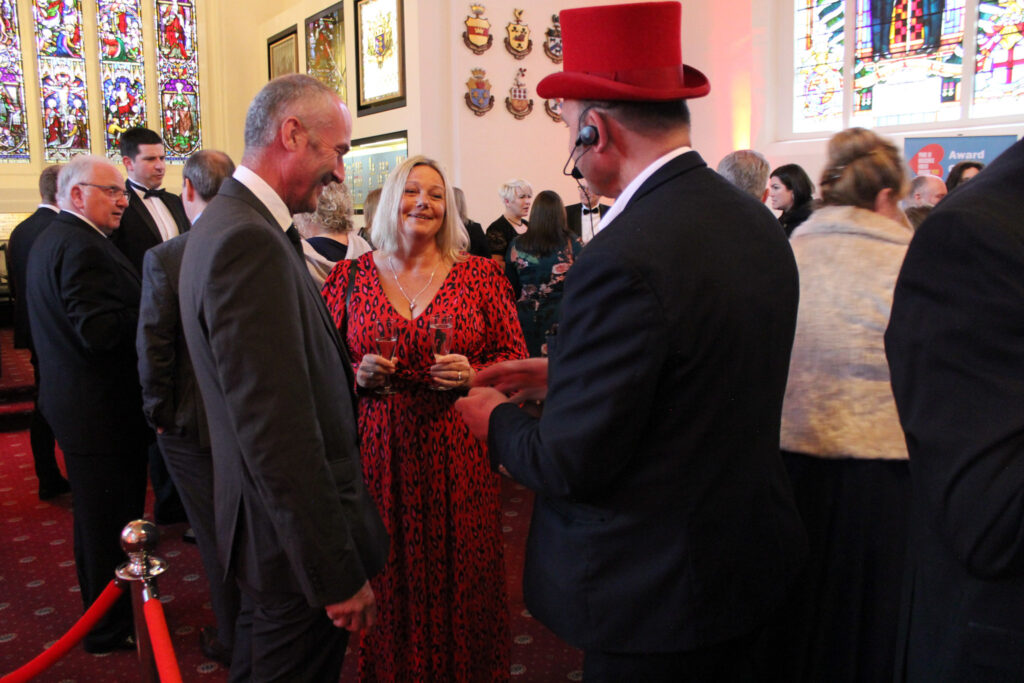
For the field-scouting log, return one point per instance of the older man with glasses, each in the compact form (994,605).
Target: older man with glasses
(83,297)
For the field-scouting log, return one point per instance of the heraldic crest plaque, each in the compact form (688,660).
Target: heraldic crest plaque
(477,35)
(518,101)
(518,42)
(479,98)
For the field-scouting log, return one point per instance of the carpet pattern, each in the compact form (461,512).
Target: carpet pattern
(39,598)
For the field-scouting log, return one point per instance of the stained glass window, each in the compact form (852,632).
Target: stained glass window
(909,61)
(62,87)
(818,60)
(999,67)
(122,69)
(13,129)
(177,66)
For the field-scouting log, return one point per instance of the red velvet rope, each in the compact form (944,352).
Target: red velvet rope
(163,651)
(49,656)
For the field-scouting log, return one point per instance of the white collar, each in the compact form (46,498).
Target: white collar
(90,223)
(51,207)
(623,199)
(266,194)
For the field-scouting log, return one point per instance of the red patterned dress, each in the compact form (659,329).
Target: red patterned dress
(443,607)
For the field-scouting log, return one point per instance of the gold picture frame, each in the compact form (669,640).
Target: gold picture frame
(380,55)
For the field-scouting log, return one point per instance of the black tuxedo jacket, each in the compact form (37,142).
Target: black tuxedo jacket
(664,520)
(138,231)
(170,397)
(574,215)
(22,238)
(955,345)
(83,298)
(292,514)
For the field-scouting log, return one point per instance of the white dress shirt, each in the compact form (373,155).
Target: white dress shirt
(159,211)
(266,194)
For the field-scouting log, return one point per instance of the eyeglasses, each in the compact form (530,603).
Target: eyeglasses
(113,191)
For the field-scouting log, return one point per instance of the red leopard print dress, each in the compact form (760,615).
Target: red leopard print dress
(443,607)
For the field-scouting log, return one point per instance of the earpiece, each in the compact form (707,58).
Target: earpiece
(588,136)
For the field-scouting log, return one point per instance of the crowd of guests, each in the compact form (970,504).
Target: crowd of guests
(763,447)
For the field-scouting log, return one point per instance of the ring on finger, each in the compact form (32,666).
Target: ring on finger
(460,375)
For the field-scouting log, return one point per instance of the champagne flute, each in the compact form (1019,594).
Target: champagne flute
(387,340)
(441,328)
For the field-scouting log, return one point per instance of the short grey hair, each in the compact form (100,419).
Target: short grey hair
(747,170)
(510,189)
(77,171)
(294,94)
(452,239)
(206,170)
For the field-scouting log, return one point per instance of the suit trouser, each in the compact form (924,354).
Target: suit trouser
(282,638)
(109,490)
(43,443)
(167,507)
(191,468)
(728,662)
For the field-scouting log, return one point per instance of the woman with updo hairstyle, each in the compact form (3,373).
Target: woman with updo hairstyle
(443,608)
(962,172)
(841,437)
(790,190)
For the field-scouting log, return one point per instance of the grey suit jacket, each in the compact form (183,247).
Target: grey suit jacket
(292,513)
(170,397)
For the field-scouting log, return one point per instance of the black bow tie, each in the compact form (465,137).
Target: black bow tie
(155,193)
(589,211)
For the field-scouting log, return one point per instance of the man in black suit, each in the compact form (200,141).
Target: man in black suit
(955,346)
(585,217)
(51,482)
(293,519)
(171,401)
(83,298)
(153,216)
(664,531)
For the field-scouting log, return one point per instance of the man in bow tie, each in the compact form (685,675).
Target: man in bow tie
(584,217)
(153,216)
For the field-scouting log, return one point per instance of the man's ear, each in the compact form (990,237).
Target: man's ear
(289,132)
(129,164)
(188,192)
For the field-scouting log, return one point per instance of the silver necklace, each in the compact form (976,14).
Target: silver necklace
(412,301)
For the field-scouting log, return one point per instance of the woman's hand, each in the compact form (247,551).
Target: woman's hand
(452,371)
(373,369)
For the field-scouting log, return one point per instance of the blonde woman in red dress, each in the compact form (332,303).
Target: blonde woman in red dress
(443,604)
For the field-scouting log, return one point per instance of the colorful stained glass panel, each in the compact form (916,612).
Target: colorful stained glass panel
(122,69)
(177,67)
(13,129)
(62,87)
(999,67)
(325,48)
(818,65)
(908,62)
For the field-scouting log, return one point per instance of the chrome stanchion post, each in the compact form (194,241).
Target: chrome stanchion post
(138,540)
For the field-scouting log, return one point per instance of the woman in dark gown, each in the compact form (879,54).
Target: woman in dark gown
(536,264)
(443,606)
(790,192)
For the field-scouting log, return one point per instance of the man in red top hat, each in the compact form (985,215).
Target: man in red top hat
(664,532)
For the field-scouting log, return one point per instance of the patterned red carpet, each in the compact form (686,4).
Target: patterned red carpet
(39,593)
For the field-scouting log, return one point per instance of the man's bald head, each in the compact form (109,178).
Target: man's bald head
(926,190)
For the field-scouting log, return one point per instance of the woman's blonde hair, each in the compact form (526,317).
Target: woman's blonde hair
(333,213)
(452,239)
(861,164)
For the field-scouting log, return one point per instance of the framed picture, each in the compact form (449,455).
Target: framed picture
(371,160)
(283,53)
(325,48)
(380,61)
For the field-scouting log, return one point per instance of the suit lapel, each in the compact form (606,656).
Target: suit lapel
(136,204)
(114,253)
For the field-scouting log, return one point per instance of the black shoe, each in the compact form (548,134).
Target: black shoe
(189,536)
(52,490)
(126,643)
(212,647)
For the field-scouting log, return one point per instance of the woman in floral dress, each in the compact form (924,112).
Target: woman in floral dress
(443,606)
(537,263)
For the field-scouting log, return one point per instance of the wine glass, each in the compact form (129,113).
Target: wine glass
(387,339)
(441,327)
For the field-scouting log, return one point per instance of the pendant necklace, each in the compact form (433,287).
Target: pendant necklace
(412,301)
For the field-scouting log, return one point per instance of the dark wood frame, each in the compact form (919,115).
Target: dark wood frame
(280,41)
(339,9)
(391,101)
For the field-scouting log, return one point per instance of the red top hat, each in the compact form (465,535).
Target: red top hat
(624,52)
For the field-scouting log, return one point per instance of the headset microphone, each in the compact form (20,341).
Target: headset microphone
(588,137)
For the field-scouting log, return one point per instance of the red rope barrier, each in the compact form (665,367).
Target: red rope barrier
(49,656)
(163,651)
